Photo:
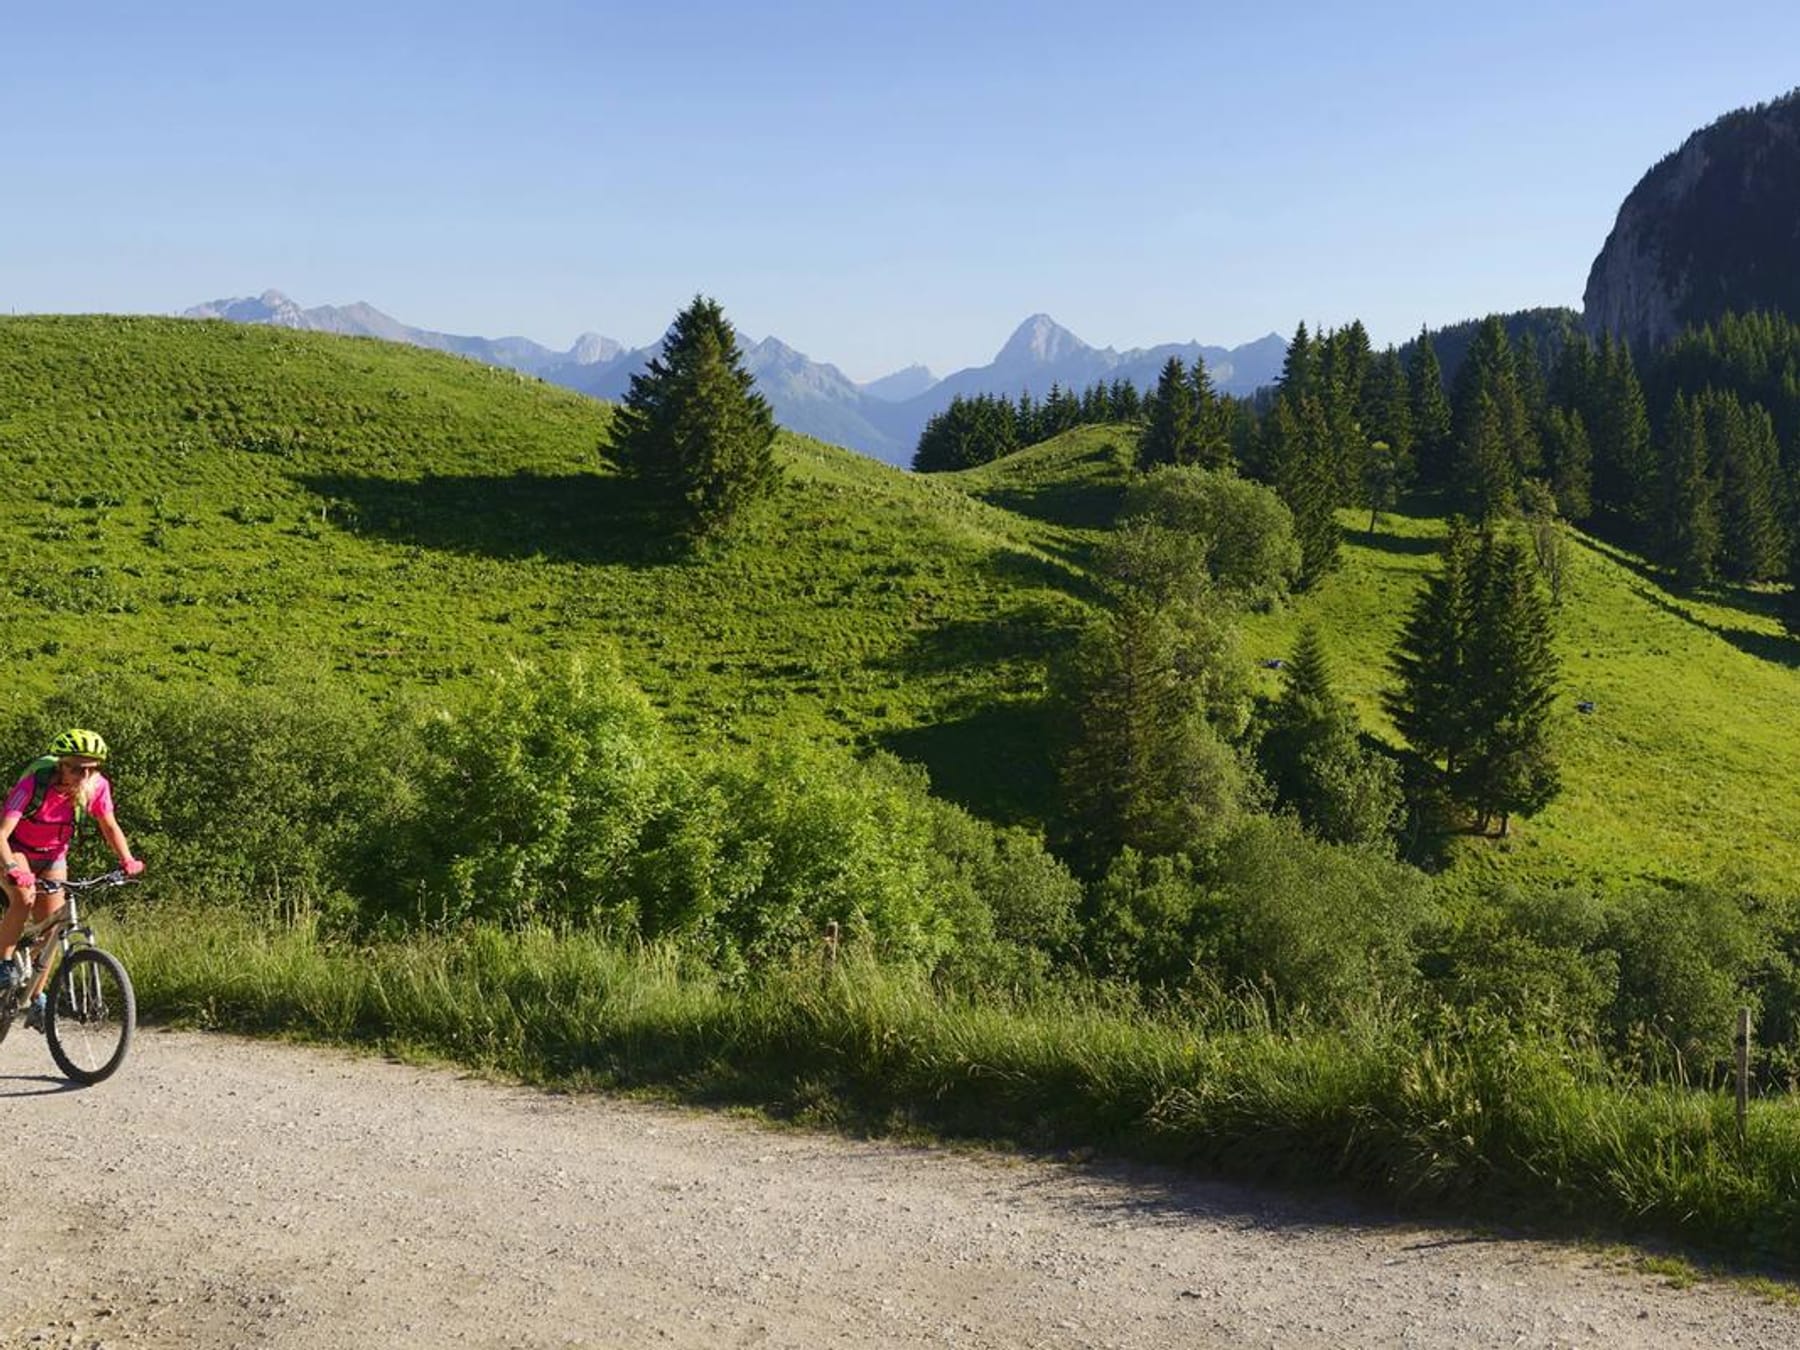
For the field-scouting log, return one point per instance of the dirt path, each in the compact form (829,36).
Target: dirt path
(227,1193)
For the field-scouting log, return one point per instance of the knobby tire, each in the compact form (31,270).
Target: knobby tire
(90,999)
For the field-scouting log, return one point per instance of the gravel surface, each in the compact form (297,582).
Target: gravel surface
(222,1192)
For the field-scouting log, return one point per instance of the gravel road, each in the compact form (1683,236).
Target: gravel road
(222,1192)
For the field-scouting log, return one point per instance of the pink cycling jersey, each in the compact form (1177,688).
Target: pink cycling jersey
(47,834)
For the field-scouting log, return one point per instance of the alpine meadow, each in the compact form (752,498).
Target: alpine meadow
(1384,780)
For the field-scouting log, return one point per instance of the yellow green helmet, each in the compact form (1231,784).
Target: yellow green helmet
(75,741)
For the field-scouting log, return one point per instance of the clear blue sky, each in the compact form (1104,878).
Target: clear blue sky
(876,185)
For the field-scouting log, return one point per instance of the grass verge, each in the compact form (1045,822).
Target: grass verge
(1459,1117)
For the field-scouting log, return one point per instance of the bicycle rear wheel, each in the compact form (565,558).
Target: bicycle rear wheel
(91,1015)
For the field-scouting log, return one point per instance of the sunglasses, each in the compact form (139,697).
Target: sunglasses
(71,767)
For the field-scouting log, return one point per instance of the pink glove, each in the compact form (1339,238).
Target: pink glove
(20,876)
(132,866)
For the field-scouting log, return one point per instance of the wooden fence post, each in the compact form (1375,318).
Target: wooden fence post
(831,944)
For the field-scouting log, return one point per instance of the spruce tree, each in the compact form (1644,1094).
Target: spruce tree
(1510,684)
(1477,676)
(1212,433)
(1430,414)
(1170,427)
(1300,463)
(1315,761)
(970,431)
(1300,367)
(1386,413)
(1486,477)
(1430,659)
(694,430)
(1619,428)
(1569,460)
(1689,525)
(1490,371)
(1746,461)
(1152,696)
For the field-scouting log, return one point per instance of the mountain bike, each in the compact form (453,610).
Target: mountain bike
(88,1012)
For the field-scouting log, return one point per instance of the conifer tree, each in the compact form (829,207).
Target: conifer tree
(1152,696)
(1299,458)
(1689,534)
(1212,436)
(1315,761)
(1619,428)
(1126,404)
(1300,367)
(1430,658)
(1509,768)
(1351,356)
(1485,472)
(693,428)
(1573,379)
(1533,381)
(1477,676)
(1746,460)
(1170,427)
(1430,414)
(1025,420)
(1569,459)
(1386,413)
(1490,371)
(1346,446)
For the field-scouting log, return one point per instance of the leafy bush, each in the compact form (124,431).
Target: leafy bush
(1140,919)
(1012,906)
(822,838)
(1310,923)
(244,795)
(1536,957)
(528,803)
(1238,533)
(1687,958)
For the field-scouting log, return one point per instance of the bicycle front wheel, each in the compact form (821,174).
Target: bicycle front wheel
(91,1015)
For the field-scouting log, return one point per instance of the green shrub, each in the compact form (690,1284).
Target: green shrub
(1011,905)
(248,795)
(1312,924)
(1687,959)
(1537,957)
(817,837)
(1235,532)
(1140,919)
(527,804)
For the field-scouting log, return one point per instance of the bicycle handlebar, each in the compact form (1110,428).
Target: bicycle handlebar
(116,877)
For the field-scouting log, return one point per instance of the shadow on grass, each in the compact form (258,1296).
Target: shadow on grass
(1404,545)
(1081,506)
(1064,570)
(583,517)
(995,761)
(1778,648)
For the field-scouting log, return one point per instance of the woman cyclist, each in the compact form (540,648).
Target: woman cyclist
(37,824)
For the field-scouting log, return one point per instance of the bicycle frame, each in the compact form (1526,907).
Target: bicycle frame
(48,942)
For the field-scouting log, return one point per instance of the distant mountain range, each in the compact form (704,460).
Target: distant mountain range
(882,418)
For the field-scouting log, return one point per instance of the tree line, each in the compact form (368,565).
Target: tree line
(977,428)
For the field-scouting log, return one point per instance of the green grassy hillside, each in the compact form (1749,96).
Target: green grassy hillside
(208,502)
(1689,766)
(211,503)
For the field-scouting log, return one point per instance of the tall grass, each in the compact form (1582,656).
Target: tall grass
(1457,1111)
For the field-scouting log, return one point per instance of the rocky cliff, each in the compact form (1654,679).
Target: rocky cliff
(1714,227)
